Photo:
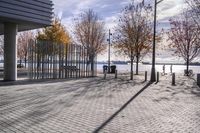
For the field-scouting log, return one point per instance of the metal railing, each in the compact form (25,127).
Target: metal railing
(52,60)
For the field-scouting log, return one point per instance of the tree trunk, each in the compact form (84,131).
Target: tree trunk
(187,67)
(137,62)
(25,60)
(131,69)
(92,68)
(187,63)
(92,65)
(20,62)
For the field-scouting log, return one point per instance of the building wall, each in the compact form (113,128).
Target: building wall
(23,11)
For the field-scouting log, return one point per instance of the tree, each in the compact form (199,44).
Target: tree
(195,10)
(89,32)
(52,38)
(184,37)
(56,33)
(50,42)
(134,32)
(22,45)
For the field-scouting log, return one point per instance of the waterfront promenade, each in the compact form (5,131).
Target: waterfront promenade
(98,105)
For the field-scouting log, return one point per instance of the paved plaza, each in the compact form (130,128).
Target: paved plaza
(98,105)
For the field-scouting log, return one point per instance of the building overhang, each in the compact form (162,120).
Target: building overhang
(27,14)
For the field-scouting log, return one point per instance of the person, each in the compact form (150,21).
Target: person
(171,68)
(164,69)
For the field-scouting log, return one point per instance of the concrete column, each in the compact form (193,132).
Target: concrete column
(10,51)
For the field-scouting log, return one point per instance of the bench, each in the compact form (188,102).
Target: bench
(71,68)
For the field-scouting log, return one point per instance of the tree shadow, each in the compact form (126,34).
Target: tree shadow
(122,108)
(41,105)
(35,81)
(183,88)
(195,89)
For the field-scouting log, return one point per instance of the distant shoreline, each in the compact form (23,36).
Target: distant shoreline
(147,63)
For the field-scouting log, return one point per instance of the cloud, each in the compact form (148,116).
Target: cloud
(111,22)
(167,9)
(170,8)
(109,10)
(103,7)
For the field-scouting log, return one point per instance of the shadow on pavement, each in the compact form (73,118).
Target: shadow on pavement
(35,81)
(122,108)
(43,103)
(184,88)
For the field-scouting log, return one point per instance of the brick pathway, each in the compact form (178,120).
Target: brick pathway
(85,104)
(162,108)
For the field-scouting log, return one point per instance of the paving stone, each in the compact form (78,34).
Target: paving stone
(83,105)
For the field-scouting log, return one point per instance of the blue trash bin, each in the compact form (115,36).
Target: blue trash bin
(105,68)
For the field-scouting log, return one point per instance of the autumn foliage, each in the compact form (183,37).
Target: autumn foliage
(56,33)
(134,32)
(90,32)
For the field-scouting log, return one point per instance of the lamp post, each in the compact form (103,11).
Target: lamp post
(109,50)
(153,71)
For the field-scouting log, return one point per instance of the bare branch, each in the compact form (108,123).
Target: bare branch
(22,45)
(184,37)
(134,31)
(89,32)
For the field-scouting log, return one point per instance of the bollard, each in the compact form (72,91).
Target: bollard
(157,77)
(173,79)
(145,78)
(115,73)
(198,79)
(105,74)
(131,75)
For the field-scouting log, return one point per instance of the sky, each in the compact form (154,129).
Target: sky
(109,10)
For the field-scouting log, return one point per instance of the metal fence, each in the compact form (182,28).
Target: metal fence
(52,60)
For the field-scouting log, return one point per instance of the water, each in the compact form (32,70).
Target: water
(122,68)
(159,68)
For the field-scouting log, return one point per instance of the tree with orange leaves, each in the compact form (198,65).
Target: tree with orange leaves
(90,33)
(134,32)
(52,39)
(56,33)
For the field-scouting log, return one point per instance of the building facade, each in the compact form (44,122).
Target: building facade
(20,15)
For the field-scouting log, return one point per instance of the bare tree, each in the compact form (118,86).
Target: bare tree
(22,45)
(184,37)
(195,10)
(134,32)
(89,32)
